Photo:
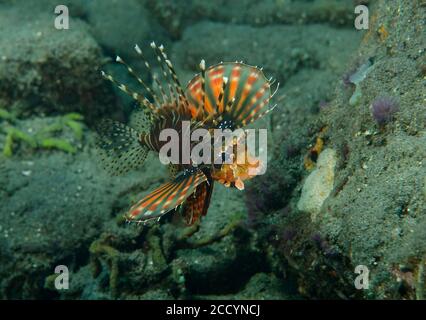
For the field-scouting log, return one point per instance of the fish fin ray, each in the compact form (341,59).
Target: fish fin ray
(119,147)
(232,90)
(166,197)
(196,206)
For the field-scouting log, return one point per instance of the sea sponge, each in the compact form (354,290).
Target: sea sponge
(319,184)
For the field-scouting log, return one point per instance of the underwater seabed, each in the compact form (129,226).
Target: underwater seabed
(339,214)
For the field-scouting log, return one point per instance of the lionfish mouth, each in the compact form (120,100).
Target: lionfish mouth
(227,95)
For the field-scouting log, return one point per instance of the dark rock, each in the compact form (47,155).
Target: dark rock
(45,70)
(176,16)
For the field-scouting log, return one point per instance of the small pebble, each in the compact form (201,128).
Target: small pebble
(26,173)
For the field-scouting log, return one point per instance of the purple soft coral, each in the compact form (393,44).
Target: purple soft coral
(383,109)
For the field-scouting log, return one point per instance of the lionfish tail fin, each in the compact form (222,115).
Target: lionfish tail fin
(166,197)
(119,147)
(231,91)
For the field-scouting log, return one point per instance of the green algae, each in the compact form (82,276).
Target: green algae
(13,135)
(60,144)
(49,282)
(6,115)
(43,138)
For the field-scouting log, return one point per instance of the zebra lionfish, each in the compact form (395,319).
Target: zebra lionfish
(227,95)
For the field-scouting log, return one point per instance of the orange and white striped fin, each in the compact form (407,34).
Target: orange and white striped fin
(166,197)
(230,91)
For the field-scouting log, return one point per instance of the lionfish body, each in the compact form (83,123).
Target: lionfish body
(223,96)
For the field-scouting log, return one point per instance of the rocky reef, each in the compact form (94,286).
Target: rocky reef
(346,178)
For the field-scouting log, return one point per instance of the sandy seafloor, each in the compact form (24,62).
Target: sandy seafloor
(342,188)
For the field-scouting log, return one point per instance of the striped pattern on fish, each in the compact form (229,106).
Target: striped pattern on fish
(227,95)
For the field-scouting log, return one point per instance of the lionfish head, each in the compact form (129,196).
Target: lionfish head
(239,165)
